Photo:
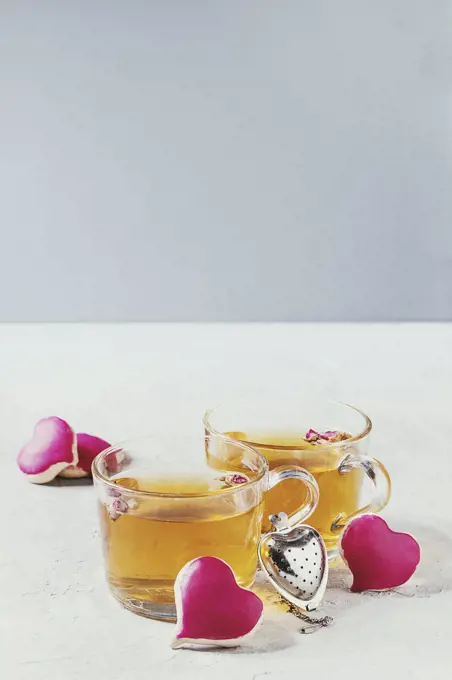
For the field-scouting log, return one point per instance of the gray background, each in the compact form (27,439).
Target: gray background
(226,160)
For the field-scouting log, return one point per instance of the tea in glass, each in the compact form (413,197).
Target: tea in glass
(147,546)
(336,458)
(337,495)
(164,501)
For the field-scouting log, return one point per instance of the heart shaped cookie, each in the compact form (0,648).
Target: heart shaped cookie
(52,448)
(88,447)
(379,558)
(212,609)
(296,562)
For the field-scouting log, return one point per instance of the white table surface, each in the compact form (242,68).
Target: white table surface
(57,620)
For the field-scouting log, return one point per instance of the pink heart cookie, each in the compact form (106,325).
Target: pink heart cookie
(212,609)
(379,558)
(52,448)
(88,447)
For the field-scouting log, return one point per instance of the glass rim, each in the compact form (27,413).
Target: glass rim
(97,474)
(293,447)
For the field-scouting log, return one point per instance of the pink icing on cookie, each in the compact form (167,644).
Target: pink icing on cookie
(379,558)
(212,609)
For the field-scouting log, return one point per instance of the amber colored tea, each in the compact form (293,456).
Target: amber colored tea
(339,493)
(146,547)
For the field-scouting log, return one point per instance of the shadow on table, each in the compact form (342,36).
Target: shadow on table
(62,481)
(272,636)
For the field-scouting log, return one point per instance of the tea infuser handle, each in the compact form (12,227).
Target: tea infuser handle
(284,472)
(380,479)
(280,521)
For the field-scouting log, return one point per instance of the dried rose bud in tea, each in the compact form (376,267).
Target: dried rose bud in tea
(330,436)
(234,479)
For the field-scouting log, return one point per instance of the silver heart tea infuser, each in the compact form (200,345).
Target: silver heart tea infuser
(296,562)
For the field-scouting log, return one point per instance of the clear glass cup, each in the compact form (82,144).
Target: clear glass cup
(277,427)
(164,501)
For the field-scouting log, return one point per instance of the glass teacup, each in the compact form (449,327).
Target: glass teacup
(291,433)
(164,501)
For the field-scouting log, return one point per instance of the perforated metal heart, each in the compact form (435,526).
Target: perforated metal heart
(296,562)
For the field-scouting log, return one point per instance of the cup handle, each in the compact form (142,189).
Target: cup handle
(379,477)
(284,472)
